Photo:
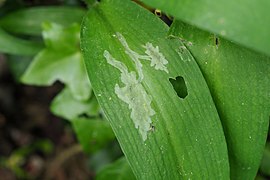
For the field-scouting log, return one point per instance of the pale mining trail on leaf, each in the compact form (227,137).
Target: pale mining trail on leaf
(133,93)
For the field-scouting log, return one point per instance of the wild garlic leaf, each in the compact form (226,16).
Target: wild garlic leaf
(16,46)
(131,66)
(239,82)
(243,21)
(29,21)
(119,169)
(60,60)
(68,107)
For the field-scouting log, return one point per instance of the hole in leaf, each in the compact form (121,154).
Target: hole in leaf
(217,41)
(179,85)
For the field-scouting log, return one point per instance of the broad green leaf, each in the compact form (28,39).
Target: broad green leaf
(239,82)
(120,170)
(29,21)
(93,134)
(130,59)
(16,46)
(265,163)
(68,107)
(243,21)
(60,60)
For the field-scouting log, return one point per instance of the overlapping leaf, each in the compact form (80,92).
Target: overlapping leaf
(16,46)
(28,21)
(242,21)
(129,65)
(239,81)
(120,170)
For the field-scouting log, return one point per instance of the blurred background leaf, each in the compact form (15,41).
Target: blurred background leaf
(28,21)
(60,60)
(16,46)
(93,133)
(120,170)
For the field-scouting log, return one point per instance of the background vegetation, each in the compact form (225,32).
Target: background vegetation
(52,126)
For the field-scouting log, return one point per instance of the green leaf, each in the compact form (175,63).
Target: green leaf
(16,46)
(68,107)
(60,60)
(90,2)
(265,163)
(239,83)
(243,21)
(93,134)
(120,170)
(130,60)
(29,21)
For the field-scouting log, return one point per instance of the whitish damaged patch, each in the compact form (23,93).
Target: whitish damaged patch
(157,59)
(183,53)
(134,94)
(152,54)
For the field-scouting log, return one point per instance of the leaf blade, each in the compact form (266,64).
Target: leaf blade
(239,82)
(28,25)
(99,34)
(244,21)
(16,46)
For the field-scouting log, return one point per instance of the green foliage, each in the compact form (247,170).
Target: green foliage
(180,127)
(120,170)
(243,21)
(16,46)
(183,103)
(62,50)
(93,134)
(31,19)
(68,107)
(239,82)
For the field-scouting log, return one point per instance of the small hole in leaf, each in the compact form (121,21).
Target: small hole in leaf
(217,41)
(179,85)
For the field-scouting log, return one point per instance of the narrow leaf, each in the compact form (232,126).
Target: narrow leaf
(16,46)
(29,21)
(130,60)
(243,21)
(239,81)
